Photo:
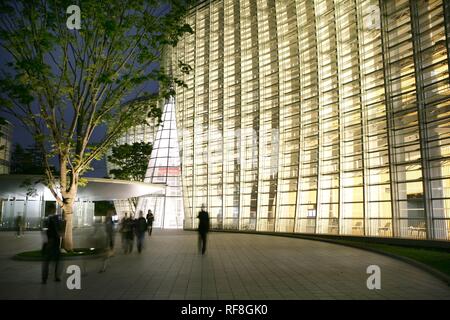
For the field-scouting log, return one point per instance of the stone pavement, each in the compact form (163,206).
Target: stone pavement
(236,266)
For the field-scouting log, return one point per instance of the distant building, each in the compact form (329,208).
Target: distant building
(6,131)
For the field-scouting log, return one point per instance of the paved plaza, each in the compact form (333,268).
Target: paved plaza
(236,266)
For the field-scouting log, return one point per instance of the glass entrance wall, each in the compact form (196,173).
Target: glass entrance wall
(317,116)
(34,210)
(31,212)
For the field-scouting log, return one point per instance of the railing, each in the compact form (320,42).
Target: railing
(372,227)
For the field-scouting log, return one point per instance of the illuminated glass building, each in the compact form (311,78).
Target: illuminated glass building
(321,116)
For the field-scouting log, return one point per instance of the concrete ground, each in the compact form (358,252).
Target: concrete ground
(236,266)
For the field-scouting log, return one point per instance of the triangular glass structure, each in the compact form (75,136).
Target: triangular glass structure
(164,167)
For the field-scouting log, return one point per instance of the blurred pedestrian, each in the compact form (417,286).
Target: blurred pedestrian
(150,219)
(109,243)
(203,228)
(54,229)
(140,228)
(109,228)
(129,234)
(19,226)
(123,231)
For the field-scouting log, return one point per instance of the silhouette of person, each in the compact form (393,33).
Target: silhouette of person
(130,225)
(141,228)
(203,228)
(123,231)
(150,219)
(53,227)
(19,226)
(109,228)
(108,244)
(219,220)
(127,233)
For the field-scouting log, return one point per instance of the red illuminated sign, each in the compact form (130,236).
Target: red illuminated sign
(169,171)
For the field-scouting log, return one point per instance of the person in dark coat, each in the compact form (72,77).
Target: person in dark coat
(150,219)
(141,228)
(19,226)
(123,232)
(129,234)
(203,228)
(109,229)
(54,228)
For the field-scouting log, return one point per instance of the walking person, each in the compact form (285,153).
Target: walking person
(123,232)
(109,229)
(109,243)
(203,228)
(150,219)
(19,226)
(53,229)
(129,234)
(141,228)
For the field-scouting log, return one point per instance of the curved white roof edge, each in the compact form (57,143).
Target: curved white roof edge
(96,189)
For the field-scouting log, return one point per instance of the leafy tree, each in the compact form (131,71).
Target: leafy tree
(65,85)
(131,160)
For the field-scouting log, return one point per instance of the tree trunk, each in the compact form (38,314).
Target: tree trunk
(68,199)
(68,217)
(133,204)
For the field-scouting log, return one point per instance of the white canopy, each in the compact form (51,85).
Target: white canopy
(96,189)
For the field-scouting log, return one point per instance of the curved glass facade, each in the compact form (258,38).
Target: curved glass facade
(319,116)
